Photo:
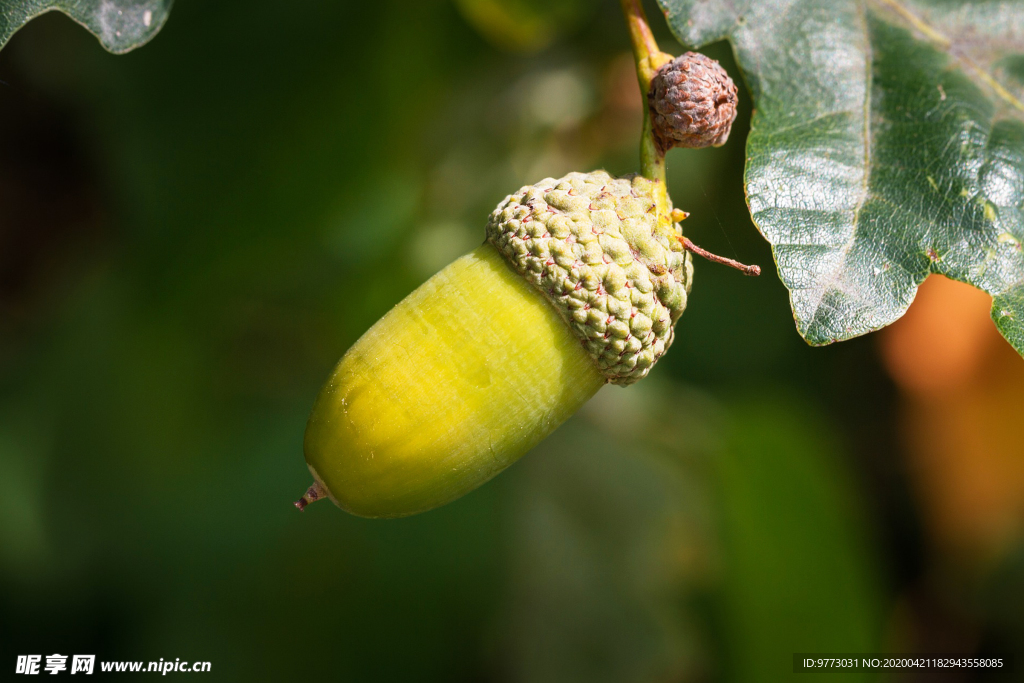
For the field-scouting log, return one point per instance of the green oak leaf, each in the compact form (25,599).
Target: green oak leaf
(120,25)
(887,143)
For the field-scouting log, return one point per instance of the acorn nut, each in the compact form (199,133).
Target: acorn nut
(579,284)
(692,102)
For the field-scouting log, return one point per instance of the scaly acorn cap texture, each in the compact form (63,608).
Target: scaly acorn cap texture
(692,102)
(609,261)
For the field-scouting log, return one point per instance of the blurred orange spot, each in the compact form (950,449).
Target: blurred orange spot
(963,390)
(942,340)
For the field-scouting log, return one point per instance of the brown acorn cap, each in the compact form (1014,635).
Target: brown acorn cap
(693,103)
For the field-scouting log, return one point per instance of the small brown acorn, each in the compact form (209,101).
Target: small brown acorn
(693,103)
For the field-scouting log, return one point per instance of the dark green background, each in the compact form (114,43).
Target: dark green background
(193,233)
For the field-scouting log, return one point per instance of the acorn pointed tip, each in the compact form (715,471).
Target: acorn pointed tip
(312,494)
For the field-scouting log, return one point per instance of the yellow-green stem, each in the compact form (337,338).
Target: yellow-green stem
(648,60)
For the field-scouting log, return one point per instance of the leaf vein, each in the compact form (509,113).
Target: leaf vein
(945,44)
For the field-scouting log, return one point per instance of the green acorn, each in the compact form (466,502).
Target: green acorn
(579,283)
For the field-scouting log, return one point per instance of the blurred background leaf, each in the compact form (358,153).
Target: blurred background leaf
(888,144)
(796,554)
(522,25)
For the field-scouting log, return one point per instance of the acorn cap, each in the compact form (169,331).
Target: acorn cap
(595,247)
(692,102)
